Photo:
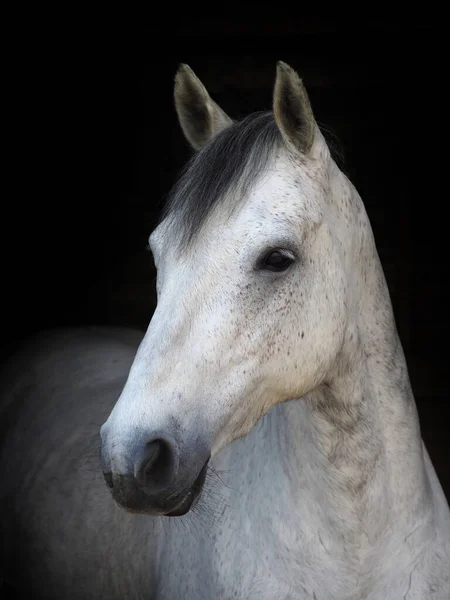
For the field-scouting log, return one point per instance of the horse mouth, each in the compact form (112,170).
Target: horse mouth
(186,501)
(127,496)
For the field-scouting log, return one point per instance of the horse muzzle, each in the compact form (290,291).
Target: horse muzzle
(154,474)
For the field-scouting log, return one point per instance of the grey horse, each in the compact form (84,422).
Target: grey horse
(261,441)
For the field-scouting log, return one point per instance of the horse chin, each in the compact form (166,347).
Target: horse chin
(190,499)
(184,507)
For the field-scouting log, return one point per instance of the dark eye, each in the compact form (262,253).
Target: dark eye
(277,260)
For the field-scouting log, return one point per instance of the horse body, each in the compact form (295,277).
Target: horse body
(63,537)
(265,428)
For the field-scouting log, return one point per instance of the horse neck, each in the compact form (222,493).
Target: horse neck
(352,449)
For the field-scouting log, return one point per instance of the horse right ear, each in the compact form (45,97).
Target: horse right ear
(199,116)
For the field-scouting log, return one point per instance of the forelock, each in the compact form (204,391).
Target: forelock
(226,168)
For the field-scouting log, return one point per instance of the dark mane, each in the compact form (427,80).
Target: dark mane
(232,162)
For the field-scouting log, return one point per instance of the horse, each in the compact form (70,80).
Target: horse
(261,439)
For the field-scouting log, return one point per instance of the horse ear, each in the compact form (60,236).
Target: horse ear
(199,116)
(292,109)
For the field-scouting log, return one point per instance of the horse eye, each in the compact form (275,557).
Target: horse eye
(277,260)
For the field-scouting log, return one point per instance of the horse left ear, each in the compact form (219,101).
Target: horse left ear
(292,109)
(199,116)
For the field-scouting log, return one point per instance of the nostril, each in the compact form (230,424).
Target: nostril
(157,465)
(153,451)
(109,479)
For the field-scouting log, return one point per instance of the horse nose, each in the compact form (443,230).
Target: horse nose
(151,466)
(156,464)
(154,474)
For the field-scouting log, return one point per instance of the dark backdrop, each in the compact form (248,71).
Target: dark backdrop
(96,146)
